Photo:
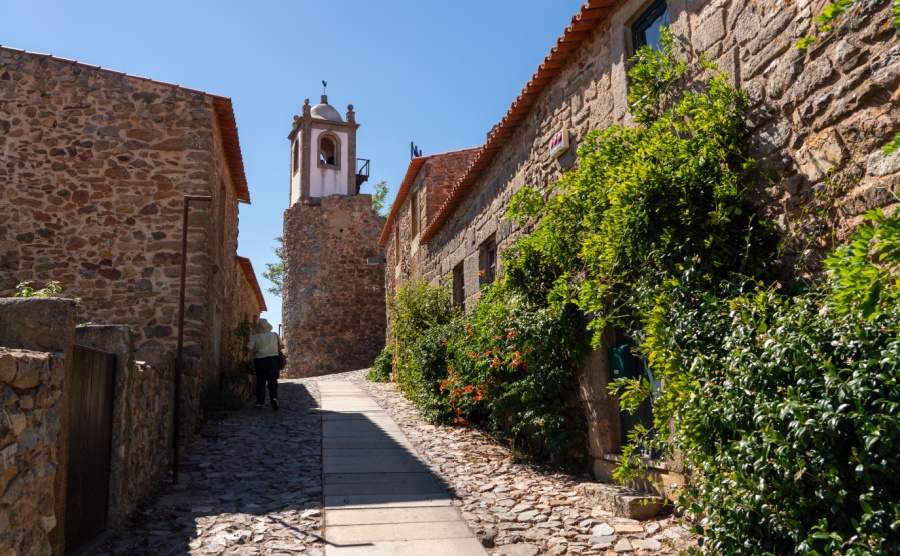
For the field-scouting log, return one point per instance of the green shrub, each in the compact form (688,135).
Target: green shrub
(511,366)
(381,369)
(506,365)
(419,363)
(788,416)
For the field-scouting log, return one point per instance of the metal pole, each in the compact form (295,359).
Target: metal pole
(179,354)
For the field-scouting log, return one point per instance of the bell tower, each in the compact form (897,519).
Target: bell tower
(323,153)
(332,303)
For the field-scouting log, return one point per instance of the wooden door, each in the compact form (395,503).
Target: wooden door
(90,445)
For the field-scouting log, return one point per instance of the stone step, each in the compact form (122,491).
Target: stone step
(622,501)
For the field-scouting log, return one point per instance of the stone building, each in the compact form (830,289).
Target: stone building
(333,306)
(424,189)
(94,165)
(817,120)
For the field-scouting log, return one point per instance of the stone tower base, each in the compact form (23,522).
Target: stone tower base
(333,314)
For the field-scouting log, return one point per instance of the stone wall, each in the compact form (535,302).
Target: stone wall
(817,121)
(93,167)
(148,454)
(31,388)
(36,342)
(333,304)
(36,339)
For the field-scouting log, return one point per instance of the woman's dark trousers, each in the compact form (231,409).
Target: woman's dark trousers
(267,372)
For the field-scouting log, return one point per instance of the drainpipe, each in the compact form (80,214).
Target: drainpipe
(179,355)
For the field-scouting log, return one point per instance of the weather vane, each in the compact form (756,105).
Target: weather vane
(324,86)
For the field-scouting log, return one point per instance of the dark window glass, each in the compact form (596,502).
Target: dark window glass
(296,158)
(488,266)
(459,287)
(414,213)
(646,29)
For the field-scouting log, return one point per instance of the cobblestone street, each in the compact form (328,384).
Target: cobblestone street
(252,485)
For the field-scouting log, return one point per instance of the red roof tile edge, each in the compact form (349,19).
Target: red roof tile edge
(414,166)
(585,21)
(250,276)
(224,115)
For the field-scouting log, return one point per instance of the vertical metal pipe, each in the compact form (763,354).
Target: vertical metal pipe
(179,354)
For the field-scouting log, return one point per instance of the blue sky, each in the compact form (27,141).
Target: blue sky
(437,73)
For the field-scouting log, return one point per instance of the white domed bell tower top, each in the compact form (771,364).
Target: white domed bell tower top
(323,153)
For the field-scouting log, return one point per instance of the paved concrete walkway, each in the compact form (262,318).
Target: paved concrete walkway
(380,499)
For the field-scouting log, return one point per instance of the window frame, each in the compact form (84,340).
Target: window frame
(459,286)
(487,261)
(642,23)
(414,214)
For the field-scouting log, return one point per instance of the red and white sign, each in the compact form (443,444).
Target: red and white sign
(559,143)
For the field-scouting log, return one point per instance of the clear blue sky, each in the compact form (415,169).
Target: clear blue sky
(437,73)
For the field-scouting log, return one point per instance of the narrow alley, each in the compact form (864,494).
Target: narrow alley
(253,485)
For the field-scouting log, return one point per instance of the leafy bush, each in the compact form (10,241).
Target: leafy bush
(511,366)
(788,416)
(506,365)
(419,361)
(381,369)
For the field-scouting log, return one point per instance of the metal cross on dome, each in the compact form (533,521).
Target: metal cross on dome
(324,86)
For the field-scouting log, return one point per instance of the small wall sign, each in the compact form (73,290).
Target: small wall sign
(559,143)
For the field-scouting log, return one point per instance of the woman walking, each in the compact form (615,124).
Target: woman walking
(265,347)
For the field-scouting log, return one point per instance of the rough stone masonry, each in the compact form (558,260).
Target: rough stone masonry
(333,300)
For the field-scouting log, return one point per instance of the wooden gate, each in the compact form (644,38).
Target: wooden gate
(90,445)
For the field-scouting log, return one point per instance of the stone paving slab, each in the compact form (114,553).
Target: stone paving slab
(376,516)
(350,534)
(375,481)
(346,501)
(363,452)
(370,478)
(349,443)
(438,547)
(432,487)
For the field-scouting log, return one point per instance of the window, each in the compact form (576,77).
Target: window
(487,267)
(328,151)
(459,287)
(645,30)
(397,245)
(296,156)
(414,213)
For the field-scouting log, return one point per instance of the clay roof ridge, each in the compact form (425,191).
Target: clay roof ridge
(222,107)
(583,23)
(247,270)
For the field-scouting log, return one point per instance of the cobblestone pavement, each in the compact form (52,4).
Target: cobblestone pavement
(252,486)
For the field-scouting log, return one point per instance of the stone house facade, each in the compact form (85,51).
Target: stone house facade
(423,191)
(94,165)
(817,121)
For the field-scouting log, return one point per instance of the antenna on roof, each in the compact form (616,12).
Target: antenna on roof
(324,86)
(414,150)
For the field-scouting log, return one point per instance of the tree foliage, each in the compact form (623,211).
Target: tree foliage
(379,196)
(273,271)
